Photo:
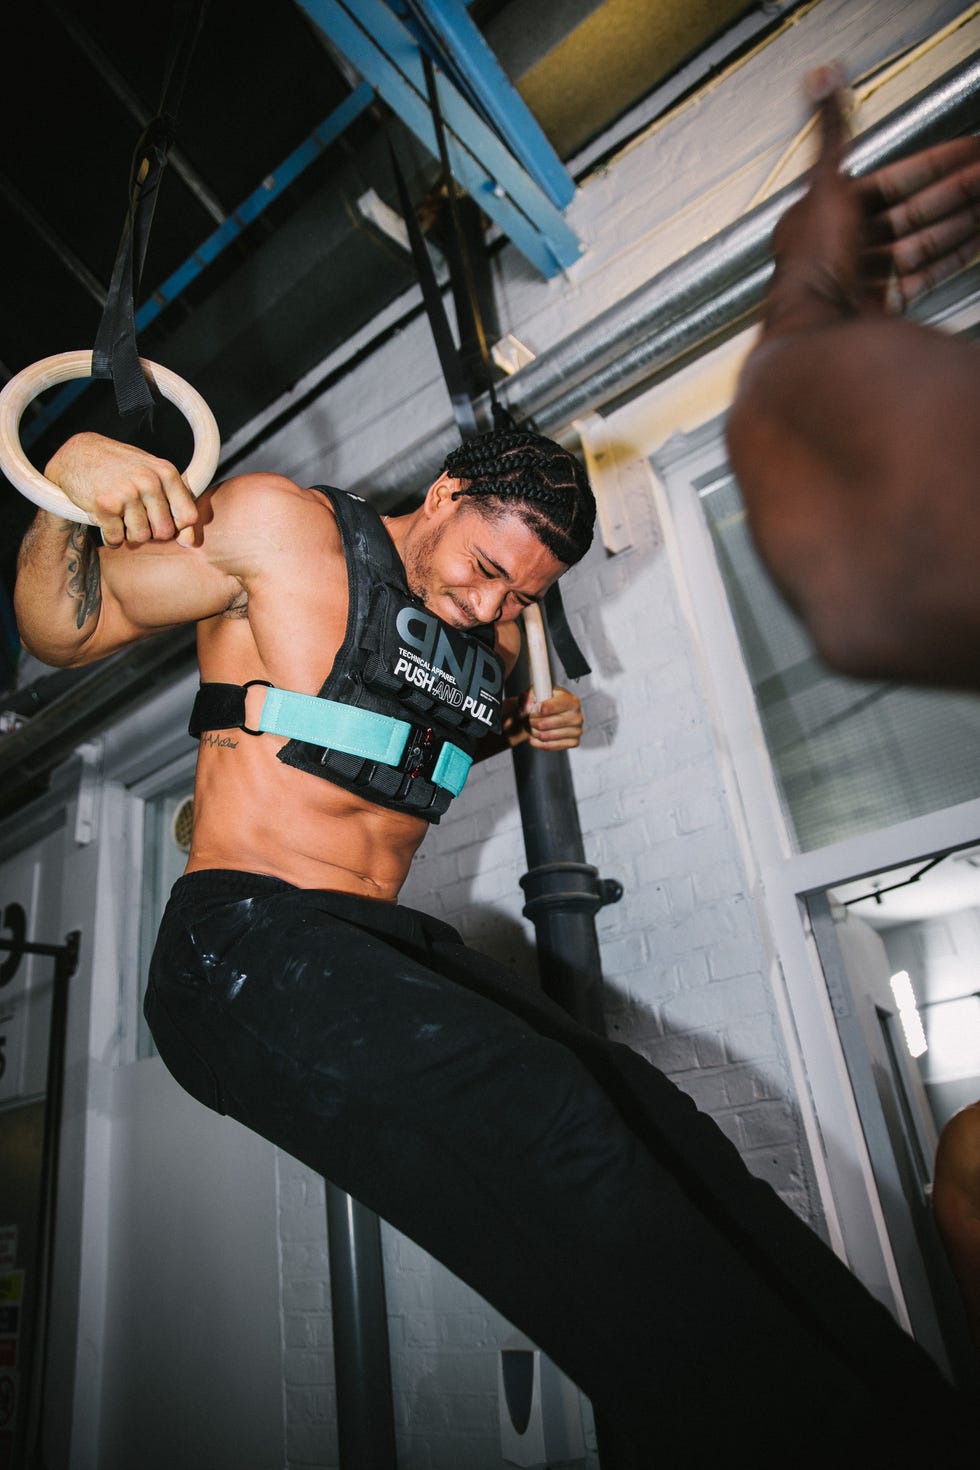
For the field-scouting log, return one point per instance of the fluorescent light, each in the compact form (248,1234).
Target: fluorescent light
(901,983)
(908,1013)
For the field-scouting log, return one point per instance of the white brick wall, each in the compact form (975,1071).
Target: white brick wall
(307,1323)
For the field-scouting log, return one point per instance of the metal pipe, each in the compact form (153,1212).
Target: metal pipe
(564,893)
(66,962)
(715,269)
(560,884)
(362,1372)
(712,289)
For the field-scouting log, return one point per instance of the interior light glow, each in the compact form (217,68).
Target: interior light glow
(954,1038)
(908,1013)
(902,991)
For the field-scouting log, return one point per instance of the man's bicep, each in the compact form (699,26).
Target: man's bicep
(159,585)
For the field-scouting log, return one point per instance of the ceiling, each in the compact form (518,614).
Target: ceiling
(916,891)
(310,268)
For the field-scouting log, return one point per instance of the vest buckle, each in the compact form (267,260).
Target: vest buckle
(422,747)
(245,688)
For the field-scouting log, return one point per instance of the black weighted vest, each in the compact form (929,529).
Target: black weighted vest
(401,660)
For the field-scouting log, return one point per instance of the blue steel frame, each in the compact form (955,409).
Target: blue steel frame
(388,56)
(457,45)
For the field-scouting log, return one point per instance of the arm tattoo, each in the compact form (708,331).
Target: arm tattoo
(84,576)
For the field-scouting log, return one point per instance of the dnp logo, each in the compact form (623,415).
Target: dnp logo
(448,657)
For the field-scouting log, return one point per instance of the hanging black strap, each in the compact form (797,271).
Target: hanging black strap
(468,303)
(449,359)
(115,354)
(572,659)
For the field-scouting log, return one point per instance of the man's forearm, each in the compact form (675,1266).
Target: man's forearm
(58,595)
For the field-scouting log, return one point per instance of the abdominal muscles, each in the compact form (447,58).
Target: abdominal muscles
(254,814)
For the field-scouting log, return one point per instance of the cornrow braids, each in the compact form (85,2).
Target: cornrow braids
(546,485)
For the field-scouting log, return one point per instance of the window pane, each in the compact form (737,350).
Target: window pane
(849,756)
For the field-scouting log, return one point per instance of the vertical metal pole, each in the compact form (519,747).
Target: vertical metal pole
(564,894)
(66,962)
(365,1410)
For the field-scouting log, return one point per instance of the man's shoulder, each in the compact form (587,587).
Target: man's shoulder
(263,499)
(261,517)
(264,489)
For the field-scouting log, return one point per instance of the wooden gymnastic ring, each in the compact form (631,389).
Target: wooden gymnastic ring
(537,652)
(63,366)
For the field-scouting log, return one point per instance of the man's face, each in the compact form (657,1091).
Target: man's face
(469,568)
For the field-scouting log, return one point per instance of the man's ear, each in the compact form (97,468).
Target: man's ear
(439,496)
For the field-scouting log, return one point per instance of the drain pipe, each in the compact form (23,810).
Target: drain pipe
(563,893)
(685,308)
(362,1369)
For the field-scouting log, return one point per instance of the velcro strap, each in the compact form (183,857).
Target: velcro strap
(217,707)
(319,721)
(327,723)
(452,768)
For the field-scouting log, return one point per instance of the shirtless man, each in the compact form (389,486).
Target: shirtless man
(260,568)
(561,1175)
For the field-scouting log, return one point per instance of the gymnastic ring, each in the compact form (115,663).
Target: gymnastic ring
(63,366)
(537,653)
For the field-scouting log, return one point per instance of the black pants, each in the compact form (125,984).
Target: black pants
(563,1177)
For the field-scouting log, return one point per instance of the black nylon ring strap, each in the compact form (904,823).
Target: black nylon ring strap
(468,303)
(452,368)
(115,353)
(573,660)
(571,656)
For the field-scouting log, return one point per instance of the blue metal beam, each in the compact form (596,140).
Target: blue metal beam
(388,56)
(260,199)
(218,241)
(469,57)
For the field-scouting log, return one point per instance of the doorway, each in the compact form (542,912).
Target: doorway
(900,952)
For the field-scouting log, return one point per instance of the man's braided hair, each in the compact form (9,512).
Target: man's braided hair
(514,469)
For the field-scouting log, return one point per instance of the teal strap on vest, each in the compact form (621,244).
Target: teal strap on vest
(353,731)
(452,768)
